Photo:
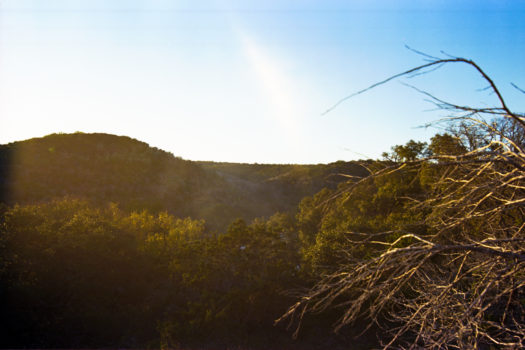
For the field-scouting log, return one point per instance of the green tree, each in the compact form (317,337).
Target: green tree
(409,152)
(446,145)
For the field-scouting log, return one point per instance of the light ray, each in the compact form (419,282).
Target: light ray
(277,86)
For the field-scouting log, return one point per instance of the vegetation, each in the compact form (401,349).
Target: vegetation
(444,268)
(104,168)
(74,275)
(106,242)
(98,247)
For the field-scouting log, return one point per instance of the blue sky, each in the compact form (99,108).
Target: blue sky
(248,81)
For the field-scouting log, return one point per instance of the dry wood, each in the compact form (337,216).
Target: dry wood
(463,285)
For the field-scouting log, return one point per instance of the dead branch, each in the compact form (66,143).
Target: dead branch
(463,285)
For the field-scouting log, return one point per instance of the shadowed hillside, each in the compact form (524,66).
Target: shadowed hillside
(78,271)
(107,168)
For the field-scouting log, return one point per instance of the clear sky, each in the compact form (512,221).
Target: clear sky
(248,81)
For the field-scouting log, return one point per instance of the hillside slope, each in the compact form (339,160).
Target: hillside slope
(107,168)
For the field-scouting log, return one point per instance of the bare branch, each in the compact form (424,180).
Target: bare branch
(461,284)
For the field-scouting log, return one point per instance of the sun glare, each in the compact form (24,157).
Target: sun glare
(277,86)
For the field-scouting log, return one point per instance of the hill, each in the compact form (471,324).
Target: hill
(107,168)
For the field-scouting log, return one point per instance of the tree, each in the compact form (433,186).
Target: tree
(409,152)
(446,144)
(462,283)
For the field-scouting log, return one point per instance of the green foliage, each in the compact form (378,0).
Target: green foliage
(446,144)
(73,274)
(82,271)
(104,168)
(68,269)
(380,204)
(409,152)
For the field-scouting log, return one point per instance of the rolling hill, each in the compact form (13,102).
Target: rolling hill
(107,168)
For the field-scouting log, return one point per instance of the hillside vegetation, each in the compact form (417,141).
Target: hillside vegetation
(106,242)
(104,168)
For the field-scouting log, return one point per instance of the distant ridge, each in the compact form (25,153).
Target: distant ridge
(108,168)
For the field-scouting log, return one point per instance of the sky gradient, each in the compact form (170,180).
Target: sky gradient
(248,81)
